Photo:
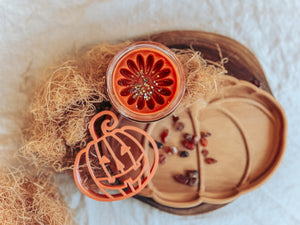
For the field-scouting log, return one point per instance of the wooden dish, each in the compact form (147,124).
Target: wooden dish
(254,164)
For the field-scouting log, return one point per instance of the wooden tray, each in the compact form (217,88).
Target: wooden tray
(242,65)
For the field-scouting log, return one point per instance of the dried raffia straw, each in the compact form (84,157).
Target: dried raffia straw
(72,92)
(62,106)
(31,199)
(201,76)
(57,128)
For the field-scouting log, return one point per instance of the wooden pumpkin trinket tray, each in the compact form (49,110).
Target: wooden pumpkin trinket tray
(246,127)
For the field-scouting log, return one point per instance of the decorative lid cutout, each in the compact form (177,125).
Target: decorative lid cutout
(146,84)
(145,81)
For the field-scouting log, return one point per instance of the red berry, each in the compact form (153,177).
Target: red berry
(204,152)
(187,144)
(170,150)
(210,160)
(164,135)
(181,179)
(203,141)
(175,118)
(205,134)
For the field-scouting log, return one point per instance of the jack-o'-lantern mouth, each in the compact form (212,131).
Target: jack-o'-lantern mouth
(145,82)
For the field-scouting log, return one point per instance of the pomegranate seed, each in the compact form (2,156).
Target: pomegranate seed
(170,150)
(203,141)
(175,118)
(188,145)
(184,154)
(179,126)
(181,179)
(162,159)
(210,160)
(204,152)
(164,135)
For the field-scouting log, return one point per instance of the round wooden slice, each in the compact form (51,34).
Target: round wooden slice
(242,64)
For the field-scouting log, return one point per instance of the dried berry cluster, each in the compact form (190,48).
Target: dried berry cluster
(171,150)
(189,143)
(204,143)
(191,178)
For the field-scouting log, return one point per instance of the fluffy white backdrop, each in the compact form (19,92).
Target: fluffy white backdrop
(33,33)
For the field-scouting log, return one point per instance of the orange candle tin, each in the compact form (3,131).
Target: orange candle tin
(145,81)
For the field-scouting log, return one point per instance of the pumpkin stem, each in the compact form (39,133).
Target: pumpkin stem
(105,126)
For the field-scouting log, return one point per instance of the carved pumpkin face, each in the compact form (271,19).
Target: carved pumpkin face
(108,169)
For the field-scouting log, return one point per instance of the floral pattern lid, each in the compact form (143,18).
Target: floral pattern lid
(145,81)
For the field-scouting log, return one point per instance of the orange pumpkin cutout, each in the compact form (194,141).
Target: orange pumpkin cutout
(107,169)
